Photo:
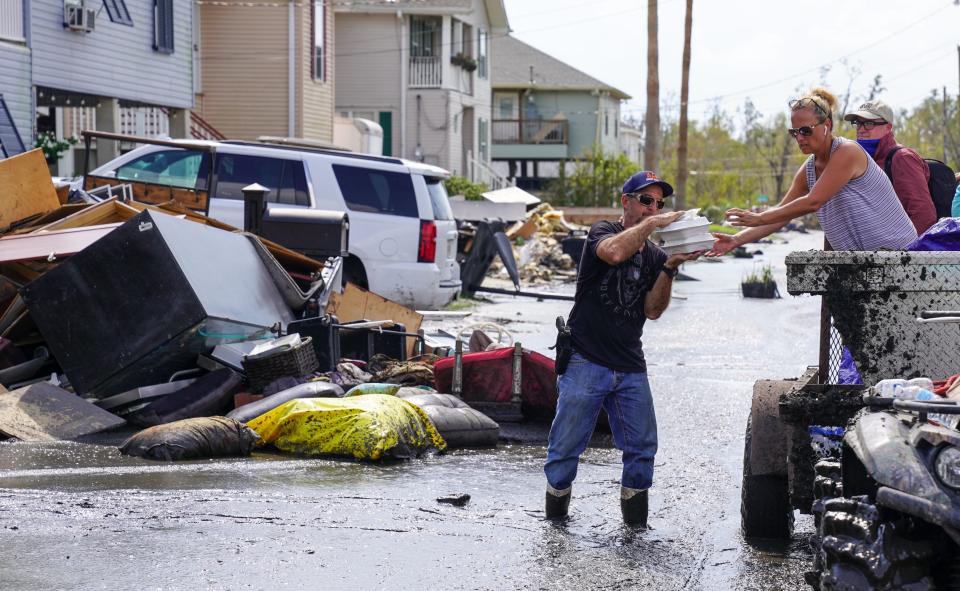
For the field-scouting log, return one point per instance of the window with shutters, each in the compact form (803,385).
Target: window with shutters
(11,20)
(117,11)
(318,65)
(483,49)
(163,26)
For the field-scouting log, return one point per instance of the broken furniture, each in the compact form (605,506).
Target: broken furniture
(26,188)
(142,302)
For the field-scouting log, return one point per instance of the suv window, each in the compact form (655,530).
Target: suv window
(377,191)
(176,168)
(285,178)
(439,199)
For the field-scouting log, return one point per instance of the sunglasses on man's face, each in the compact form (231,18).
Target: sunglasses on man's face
(806,130)
(644,199)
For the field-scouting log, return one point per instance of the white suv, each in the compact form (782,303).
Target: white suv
(403,238)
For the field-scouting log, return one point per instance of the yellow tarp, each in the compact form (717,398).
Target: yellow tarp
(369,427)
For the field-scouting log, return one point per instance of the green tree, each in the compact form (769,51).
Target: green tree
(595,180)
(458,185)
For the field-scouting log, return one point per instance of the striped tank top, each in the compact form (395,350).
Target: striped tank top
(865,214)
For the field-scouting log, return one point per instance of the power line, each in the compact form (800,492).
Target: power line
(816,68)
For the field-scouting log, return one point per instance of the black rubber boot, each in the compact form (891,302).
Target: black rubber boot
(633,505)
(557,504)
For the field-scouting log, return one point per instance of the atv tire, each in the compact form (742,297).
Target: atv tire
(857,550)
(765,509)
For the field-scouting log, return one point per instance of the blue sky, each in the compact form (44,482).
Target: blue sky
(762,49)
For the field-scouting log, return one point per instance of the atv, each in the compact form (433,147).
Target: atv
(887,506)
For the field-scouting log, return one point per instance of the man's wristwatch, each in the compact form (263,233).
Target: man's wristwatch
(671,272)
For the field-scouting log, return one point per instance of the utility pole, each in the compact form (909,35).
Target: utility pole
(945,124)
(651,147)
(684,98)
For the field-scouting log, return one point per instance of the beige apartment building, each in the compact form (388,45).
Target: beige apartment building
(265,68)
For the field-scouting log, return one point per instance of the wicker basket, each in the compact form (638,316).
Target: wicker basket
(269,366)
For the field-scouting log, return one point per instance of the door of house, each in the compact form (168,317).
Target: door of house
(386,122)
(466,133)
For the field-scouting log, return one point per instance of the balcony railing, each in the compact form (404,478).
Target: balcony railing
(530,131)
(425,72)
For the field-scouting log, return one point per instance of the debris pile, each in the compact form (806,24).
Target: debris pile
(544,245)
(115,311)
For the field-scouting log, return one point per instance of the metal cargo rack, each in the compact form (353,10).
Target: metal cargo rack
(872,300)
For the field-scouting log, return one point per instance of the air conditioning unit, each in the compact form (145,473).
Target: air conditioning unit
(77,17)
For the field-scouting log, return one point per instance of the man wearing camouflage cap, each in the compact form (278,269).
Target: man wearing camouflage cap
(908,172)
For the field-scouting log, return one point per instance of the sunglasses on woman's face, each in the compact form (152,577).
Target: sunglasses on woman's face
(644,199)
(806,130)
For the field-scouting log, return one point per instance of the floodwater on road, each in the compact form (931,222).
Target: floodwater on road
(80,516)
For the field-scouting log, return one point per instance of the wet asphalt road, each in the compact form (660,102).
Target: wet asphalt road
(76,516)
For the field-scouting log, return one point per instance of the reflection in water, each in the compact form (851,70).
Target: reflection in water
(271,520)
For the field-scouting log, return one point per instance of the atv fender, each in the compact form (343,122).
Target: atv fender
(768,446)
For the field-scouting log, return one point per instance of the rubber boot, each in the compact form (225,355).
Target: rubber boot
(633,505)
(558,502)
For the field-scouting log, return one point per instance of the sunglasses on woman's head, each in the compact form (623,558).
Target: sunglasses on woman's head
(644,199)
(808,102)
(806,130)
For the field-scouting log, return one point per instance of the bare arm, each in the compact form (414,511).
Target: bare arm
(725,243)
(658,298)
(615,249)
(846,162)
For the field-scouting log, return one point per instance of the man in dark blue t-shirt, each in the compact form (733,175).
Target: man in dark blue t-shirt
(624,279)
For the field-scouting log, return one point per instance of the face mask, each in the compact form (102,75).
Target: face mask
(869,145)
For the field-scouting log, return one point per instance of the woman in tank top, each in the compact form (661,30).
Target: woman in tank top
(852,197)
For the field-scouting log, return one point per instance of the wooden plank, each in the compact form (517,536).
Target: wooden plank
(26,188)
(50,217)
(356,303)
(153,193)
(51,245)
(110,211)
(63,193)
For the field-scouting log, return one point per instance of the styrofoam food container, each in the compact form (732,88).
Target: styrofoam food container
(685,247)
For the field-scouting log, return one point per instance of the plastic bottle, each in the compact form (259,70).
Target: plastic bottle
(894,388)
(888,388)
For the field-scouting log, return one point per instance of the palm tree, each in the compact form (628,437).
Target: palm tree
(651,156)
(684,98)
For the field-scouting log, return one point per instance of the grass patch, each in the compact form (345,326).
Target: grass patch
(724,229)
(461,304)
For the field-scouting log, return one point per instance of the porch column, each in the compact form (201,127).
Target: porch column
(180,123)
(108,119)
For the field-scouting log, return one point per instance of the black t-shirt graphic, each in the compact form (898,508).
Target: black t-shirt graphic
(607,316)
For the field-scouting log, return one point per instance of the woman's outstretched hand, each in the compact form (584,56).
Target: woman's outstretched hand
(743,218)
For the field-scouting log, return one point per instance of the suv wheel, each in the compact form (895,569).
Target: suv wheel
(353,272)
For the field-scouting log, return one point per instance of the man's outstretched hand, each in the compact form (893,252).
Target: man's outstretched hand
(675,260)
(724,244)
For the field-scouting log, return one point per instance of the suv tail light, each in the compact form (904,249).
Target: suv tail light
(427,251)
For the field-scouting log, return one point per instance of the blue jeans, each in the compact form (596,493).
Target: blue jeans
(583,389)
